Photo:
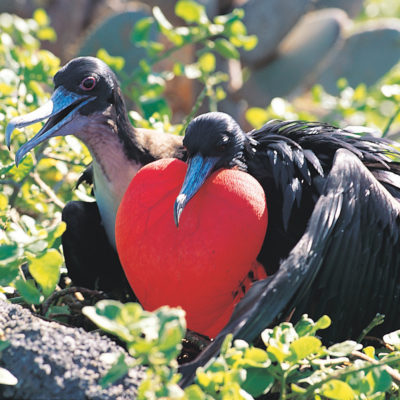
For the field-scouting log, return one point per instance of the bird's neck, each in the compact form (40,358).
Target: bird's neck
(114,164)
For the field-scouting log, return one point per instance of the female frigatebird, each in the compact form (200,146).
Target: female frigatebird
(332,245)
(87,102)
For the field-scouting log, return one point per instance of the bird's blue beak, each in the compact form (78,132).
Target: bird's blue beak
(199,169)
(61,109)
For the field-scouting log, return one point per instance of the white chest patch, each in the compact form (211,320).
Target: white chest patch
(112,171)
(109,194)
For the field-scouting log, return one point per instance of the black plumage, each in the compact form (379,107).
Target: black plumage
(332,244)
(87,102)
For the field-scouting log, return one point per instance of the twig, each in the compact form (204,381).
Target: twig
(66,160)
(391,371)
(50,193)
(56,295)
(342,373)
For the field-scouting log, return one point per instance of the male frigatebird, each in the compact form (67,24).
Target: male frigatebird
(87,102)
(332,245)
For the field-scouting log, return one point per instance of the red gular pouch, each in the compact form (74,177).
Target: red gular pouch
(207,263)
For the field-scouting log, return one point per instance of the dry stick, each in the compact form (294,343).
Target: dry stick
(342,373)
(49,192)
(56,295)
(391,371)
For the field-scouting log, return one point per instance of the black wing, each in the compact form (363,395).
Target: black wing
(290,159)
(346,265)
(90,259)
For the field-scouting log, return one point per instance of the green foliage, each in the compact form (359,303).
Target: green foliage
(292,362)
(380,9)
(145,87)
(154,339)
(375,107)
(32,194)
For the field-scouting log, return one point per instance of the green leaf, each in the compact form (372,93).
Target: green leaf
(276,353)
(305,346)
(45,270)
(379,380)
(226,49)
(337,390)
(117,371)
(3,202)
(141,30)
(258,381)
(227,343)
(28,291)
(207,62)
(190,11)
(55,232)
(247,42)
(306,326)
(40,16)
(256,355)
(193,392)
(237,28)
(8,272)
(5,168)
(257,116)
(8,251)
(323,323)
(171,336)
(7,378)
(344,348)
(115,62)
(105,315)
(393,338)
(23,169)
(3,343)
(155,105)
(47,33)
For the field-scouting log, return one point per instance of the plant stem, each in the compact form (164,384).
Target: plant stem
(195,108)
(342,373)
(377,320)
(390,122)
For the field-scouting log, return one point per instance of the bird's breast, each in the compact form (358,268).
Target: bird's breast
(109,191)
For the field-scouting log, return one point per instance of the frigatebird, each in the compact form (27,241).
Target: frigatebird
(87,102)
(332,244)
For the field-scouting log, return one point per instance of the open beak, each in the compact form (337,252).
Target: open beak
(60,109)
(199,169)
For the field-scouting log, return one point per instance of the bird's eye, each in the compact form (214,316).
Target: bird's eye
(88,83)
(221,148)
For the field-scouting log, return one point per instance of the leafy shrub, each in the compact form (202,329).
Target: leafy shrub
(292,362)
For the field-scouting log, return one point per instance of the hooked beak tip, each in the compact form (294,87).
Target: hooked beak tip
(9,130)
(180,203)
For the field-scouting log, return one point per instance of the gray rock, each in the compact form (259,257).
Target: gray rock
(300,56)
(52,361)
(270,20)
(352,7)
(365,56)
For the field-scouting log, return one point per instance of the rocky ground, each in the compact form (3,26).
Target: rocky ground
(52,361)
